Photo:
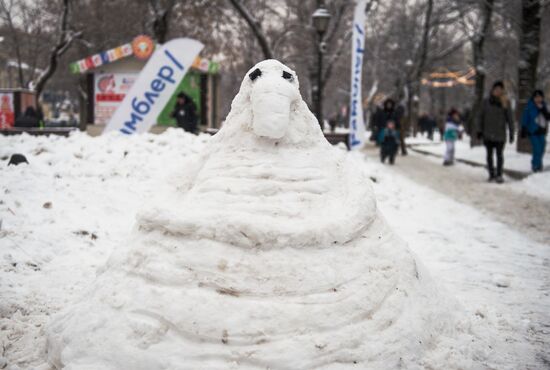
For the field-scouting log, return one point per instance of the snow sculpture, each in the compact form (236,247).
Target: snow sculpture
(267,253)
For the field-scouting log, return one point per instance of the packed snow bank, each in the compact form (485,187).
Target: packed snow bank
(61,216)
(536,185)
(53,251)
(513,160)
(264,253)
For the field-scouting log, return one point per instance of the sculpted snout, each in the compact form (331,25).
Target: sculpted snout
(272,96)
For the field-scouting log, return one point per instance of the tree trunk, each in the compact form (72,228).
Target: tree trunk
(416,83)
(65,39)
(479,90)
(529,56)
(479,65)
(7,15)
(161,18)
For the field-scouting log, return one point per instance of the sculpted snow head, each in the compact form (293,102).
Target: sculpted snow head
(274,89)
(270,106)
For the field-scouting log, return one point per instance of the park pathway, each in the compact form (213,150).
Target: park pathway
(495,259)
(526,214)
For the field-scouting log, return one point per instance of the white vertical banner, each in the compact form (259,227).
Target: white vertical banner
(154,86)
(356,121)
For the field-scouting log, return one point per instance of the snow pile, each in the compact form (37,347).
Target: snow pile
(63,214)
(536,185)
(264,252)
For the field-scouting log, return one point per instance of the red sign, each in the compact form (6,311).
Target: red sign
(7,114)
(110,90)
(109,97)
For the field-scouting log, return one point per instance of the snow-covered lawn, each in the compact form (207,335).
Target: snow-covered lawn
(494,271)
(537,184)
(513,160)
(534,184)
(64,213)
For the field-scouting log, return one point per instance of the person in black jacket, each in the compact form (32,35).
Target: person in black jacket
(495,123)
(185,113)
(381,117)
(29,119)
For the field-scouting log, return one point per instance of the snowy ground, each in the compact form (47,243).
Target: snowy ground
(533,184)
(494,269)
(64,213)
(514,160)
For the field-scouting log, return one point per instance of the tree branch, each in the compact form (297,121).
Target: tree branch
(425,40)
(160,24)
(255,26)
(345,43)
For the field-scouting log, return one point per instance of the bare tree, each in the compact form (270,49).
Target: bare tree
(161,18)
(478,35)
(421,57)
(8,14)
(396,31)
(255,27)
(529,56)
(335,57)
(65,38)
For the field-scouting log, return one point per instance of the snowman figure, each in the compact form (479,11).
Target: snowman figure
(266,252)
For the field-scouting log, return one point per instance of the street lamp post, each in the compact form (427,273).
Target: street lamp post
(409,69)
(321,19)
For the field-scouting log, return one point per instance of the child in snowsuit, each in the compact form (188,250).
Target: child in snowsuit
(389,142)
(451,136)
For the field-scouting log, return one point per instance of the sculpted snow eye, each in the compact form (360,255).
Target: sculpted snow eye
(288,76)
(255,74)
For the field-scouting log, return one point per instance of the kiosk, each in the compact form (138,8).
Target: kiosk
(109,75)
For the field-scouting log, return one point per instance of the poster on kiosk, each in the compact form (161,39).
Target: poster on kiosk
(154,86)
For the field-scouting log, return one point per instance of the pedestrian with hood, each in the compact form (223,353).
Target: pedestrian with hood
(381,118)
(534,123)
(494,125)
(185,113)
(451,134)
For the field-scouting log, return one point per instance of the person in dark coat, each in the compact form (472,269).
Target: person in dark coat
(534,123)
(29,119)
(427,124)
(381,118)
(423,123)
(185,113)
(432,125)
(389,142)
(495,123)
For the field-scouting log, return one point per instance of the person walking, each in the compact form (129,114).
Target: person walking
(185,113)
(381,118)
(423,123)
(493,120)
(534,123)
(389,142)
(450,136)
